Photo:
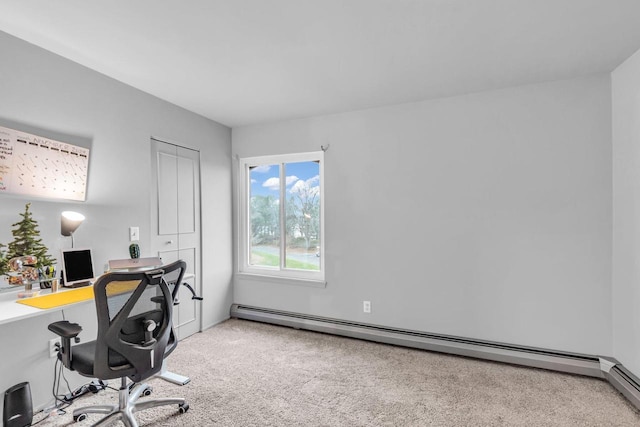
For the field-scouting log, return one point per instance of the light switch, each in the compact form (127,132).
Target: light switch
(134,234)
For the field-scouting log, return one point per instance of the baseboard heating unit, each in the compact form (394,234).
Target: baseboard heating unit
(582,364)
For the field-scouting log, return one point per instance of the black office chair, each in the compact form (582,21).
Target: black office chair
(135,334)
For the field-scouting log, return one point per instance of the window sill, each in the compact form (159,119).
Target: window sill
(312,283)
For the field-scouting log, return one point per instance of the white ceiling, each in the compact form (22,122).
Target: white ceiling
(242,62)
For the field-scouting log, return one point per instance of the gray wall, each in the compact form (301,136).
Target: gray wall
(486,216)
(626,212)
(45,94)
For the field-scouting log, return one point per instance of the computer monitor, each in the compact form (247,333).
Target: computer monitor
(77,267)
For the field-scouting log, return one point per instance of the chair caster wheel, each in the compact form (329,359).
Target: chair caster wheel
(79,417)
(147,391)
(183,407)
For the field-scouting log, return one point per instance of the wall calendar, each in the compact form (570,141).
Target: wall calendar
(37,166)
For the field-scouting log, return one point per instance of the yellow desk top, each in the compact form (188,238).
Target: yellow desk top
(73,296)
(58,299)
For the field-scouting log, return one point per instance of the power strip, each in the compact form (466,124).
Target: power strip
(93,387)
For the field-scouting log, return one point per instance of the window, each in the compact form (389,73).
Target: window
(281,221)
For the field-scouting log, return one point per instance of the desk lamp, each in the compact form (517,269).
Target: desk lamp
(69,222)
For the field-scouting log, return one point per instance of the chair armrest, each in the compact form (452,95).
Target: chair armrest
(65,329)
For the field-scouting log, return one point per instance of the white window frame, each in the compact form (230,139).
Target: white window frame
(277,274)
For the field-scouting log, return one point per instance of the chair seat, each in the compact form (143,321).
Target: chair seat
(84,355)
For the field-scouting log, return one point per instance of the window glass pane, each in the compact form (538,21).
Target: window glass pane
(264,215)
(302,220)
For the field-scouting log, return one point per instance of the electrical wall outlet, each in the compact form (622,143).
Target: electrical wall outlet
(54,347)
(366,306)
(134,234)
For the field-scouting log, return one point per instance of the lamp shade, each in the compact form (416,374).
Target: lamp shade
(69,222)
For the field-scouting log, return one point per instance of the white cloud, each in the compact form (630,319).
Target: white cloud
(307,186)
(261,169)
(272,183)
(298,187)
(253,181)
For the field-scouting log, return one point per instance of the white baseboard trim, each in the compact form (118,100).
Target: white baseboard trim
(574,363)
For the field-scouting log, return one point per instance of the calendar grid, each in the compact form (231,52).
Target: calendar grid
(36,166)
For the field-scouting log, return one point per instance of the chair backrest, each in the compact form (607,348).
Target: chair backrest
(134,324)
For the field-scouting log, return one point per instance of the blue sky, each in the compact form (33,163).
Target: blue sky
(265,180)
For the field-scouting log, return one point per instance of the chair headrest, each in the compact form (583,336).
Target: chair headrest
(154,276)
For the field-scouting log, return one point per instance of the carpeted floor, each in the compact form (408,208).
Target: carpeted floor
(250,374)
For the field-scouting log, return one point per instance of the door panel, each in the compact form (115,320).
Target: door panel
(169,256)
(186,197)
(187,312)
(188,320)
(167,194)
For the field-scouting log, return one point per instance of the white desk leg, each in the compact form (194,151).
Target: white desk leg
(173,377)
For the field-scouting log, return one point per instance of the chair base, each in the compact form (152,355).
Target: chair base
(172,377)
(127,405)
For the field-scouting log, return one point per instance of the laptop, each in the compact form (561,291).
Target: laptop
(134,264)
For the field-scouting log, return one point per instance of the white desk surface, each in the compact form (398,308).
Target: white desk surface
(11,311)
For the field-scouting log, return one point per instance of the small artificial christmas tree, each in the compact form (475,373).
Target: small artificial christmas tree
(27,241)
(3,260)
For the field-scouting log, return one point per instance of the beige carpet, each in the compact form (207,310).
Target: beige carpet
(251,374)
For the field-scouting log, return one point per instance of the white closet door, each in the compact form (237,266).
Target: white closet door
(176,223)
